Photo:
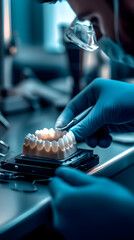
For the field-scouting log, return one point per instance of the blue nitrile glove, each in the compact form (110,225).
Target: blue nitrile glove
(113,111)
(87,207)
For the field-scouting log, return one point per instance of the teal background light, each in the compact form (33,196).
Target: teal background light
(27,21)
(38,24)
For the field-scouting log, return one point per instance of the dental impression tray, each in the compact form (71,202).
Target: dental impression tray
(46,150)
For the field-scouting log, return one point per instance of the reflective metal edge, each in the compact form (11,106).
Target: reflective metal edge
(114,165)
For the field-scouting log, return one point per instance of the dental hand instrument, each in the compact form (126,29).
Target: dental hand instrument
(75,120)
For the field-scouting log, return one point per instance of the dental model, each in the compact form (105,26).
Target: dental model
(50,144)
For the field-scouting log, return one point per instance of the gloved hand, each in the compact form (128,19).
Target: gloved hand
(113,111)
(87,207)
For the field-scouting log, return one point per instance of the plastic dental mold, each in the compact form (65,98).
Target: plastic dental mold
(48,143)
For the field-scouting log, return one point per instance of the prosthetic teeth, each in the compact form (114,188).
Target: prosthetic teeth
(32,142)
(49,144)
(54,146)
(40,145)
(66,143)
(61,144)
(50,134)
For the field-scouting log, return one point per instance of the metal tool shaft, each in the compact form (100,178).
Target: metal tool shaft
(76,120)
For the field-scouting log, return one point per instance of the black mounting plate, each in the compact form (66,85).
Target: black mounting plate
(45,167)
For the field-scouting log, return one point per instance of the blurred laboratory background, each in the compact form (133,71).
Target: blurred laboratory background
(38,66)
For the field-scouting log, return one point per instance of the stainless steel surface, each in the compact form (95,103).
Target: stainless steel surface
(21,212)
(2,82)
(113,159)
(115,164)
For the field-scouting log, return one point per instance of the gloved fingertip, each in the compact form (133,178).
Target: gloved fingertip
(78,133)
(57,186)
(53,186)
(74,176)
(60,123)
(105,142)
(65,117)
(92,142)
(65,172)
(60,170)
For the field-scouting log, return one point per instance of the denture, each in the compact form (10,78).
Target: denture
(50,143)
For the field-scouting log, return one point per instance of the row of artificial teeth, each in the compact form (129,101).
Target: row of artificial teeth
(66,142)
(44,133)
